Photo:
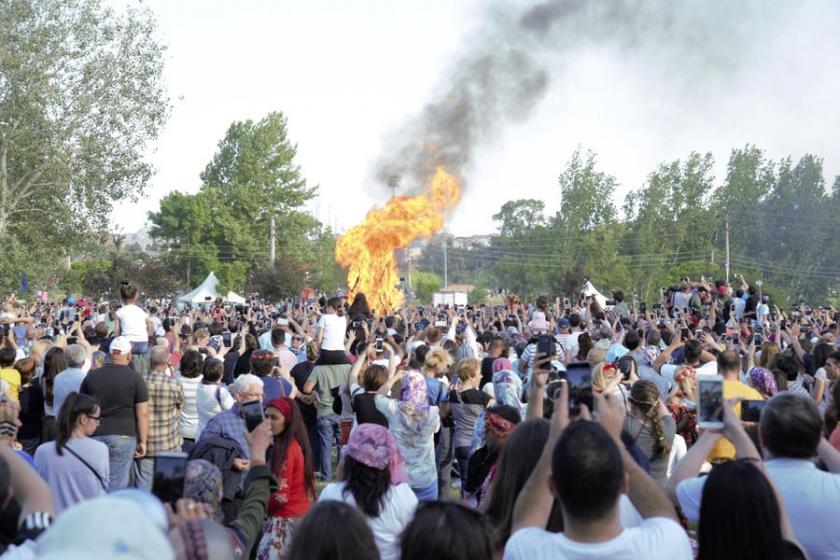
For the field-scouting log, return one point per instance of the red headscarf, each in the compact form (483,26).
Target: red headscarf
(284,405)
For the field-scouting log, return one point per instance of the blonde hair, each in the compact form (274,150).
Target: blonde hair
(768,352)
(438,361)
(599,376)
(467,368)
(39,350)
(596,355)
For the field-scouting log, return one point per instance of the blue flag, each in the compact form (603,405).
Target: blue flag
(24,283)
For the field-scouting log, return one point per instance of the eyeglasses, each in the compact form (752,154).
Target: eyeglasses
(97,419)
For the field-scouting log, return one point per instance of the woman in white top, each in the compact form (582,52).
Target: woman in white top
(189,377)
(75,466)
(332,327)
(133,321)
(372,482)
(211,397)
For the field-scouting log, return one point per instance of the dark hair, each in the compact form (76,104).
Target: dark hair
(618,296)
(374,377)
(25,367)
(7,356)
(128,290)
(739,515)
(294,429)
(692,350)
(832,412)
(191,364)
(418,357)
(262,362)
(728,361)
(359,310)
(784,368)
(213,369)
(542,303)
(587,471)
(574,320)
(584,345)
(790,426)
(54,363)
(335,303)
(278,336)
(821,353)
(447,531)
(333,530)
(520,455)
(75,405)
(632,340)
(367,485)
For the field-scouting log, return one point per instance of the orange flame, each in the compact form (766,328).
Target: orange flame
(368,248)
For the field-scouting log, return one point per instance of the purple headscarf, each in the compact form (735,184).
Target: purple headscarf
(502,364)
(374,446)
(764,381)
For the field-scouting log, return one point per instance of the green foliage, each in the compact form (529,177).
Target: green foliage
(477,296)
(425,284)
(81,97)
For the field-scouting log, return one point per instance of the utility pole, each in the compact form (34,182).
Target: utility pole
(445,263)
(408,258)
(727,246)
(393,184)
(272,254)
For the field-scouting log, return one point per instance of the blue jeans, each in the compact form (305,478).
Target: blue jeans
(121,458)
(428,493)
(328,431)
(142,472)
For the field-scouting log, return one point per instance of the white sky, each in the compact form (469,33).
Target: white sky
(347,73)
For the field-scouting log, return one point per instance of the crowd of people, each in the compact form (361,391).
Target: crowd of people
(316,428)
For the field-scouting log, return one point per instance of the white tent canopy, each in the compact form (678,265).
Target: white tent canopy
(589,290)
(235,298)
(205,292)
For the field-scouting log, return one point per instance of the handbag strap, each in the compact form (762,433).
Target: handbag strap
(85,463)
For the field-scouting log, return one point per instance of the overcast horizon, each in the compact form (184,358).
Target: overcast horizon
(347,78)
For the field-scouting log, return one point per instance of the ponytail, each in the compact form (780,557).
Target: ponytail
(645,396)
(662,447)
(75,405)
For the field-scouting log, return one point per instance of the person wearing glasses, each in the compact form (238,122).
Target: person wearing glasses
(75,466)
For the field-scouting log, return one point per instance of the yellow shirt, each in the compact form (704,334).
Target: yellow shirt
(12,377)
(732,389)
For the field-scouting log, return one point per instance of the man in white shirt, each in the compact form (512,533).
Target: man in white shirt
(570,345)
(588,469)
(790,434)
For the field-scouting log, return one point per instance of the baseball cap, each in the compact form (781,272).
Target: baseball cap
(563,323)
(120,344)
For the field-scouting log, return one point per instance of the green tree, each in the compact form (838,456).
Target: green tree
(81,97)
(425,284)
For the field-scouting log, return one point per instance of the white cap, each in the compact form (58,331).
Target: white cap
(120,344)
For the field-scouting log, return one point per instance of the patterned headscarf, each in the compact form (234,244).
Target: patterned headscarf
(497,425)
(502,364)
(374,446)
(203,483)
(414,401)
(507,388)
(764,381)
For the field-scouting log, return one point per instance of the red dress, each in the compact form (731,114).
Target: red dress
(290,500)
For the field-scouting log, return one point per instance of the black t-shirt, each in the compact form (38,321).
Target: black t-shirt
(364,406)
(300,373)
(487,370)
(118,389)
(230,365)
(31,411)
(243,364)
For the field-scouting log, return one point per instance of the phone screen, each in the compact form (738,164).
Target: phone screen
(380,346)
(252,412)
(544,344)
(751,410)
(579,376)
(685,334)
(168,479)
(226,339)
(710,402)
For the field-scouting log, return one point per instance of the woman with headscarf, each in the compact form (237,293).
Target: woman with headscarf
(372,482)
(499,422)
(291,462)
(507,389)
(413,421)
(762,380)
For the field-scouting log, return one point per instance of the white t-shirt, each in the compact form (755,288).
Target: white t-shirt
(809,495)
(133,323)
(334,329)
(207,401)
(397,511)
(654,538)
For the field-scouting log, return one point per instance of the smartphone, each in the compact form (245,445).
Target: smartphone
(685,333)
(168,479)
(579,377)
(751,410)
(625,366)
(710,401)
(736,338)
(357,324)
(757,339)
(252,412)
(642,307)
(379,345)
(440,324)
(544,342)
(698,334)
(72,340)
(226,339)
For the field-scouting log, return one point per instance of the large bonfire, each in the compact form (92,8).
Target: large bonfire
(368,248)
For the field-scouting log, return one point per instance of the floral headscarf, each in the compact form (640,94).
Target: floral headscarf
(764,381)
(507,389)
(502,364)
(374,446)
(414,401)
(203,483)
